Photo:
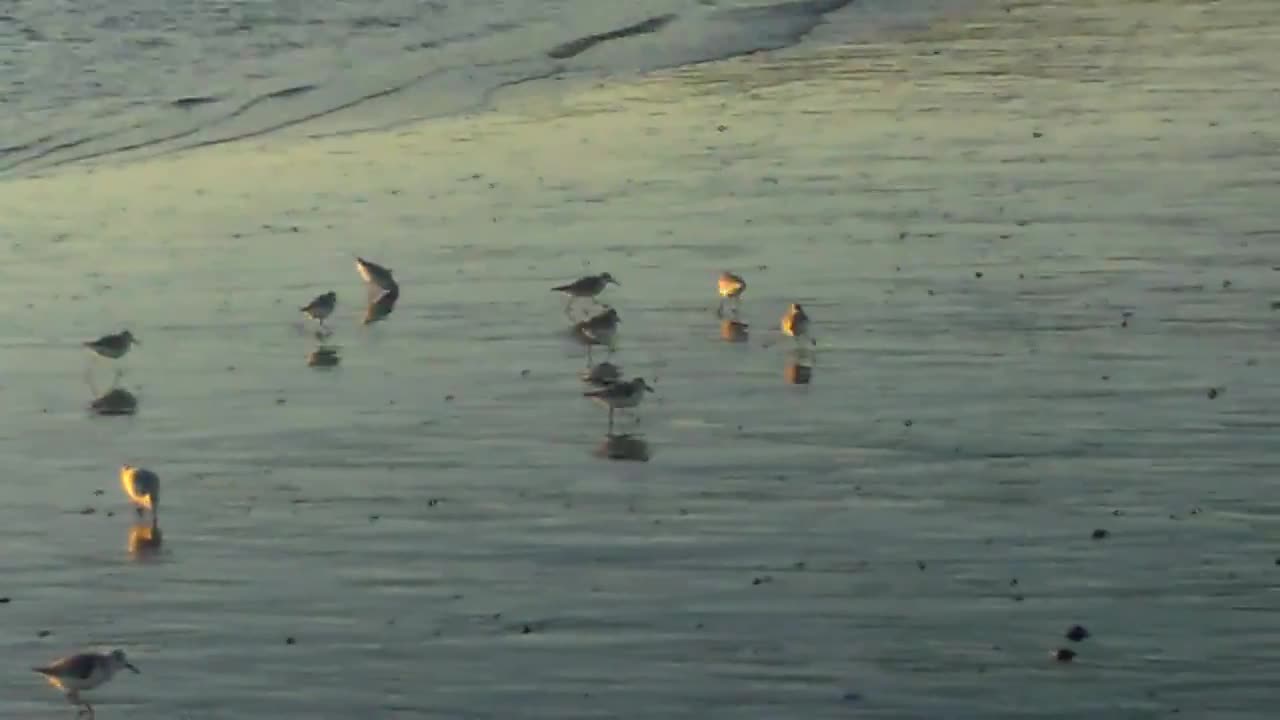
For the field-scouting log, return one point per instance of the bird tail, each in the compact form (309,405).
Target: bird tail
(43,670)
(560,288)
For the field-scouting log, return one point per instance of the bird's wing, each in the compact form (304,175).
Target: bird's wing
(80,666)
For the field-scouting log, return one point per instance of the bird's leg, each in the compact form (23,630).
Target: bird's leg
(611,420)
(116,377)
(720,309)
(138,509)
(568,306)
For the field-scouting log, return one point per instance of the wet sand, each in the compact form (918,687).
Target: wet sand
(1031,244)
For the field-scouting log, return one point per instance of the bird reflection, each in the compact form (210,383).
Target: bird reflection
(733,331)
(115,401)
(145,540)
(799,367)
(601,374)
(623,447)
(381,306)
(324,356)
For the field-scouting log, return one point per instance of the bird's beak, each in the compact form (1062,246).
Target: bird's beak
(136,341)
(615,282)
(131,667)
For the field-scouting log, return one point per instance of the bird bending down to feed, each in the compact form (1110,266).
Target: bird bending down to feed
(85,671)
(795,323)
(321,307)
(113,346)
(731,287)
(143,488)
(376,275)
(585,287)
(619,395)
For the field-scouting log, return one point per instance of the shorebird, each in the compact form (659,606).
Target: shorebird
(321,307)
(143,488)
(113,346)
(598,330)
(619,395)
(376,275)
(85,671)
(795,323)
(585,287)
(731,287)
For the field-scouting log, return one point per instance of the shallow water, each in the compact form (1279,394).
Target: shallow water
(908,536)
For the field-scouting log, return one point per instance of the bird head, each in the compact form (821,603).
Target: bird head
(609,279)
(118,660)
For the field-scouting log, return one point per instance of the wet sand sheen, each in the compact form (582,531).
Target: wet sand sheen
(907,536)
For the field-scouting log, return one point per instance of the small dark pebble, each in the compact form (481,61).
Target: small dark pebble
(1037,134)
(1076,633)
(908,423)
(1099,534)
(524,373)
(978,274)
(290,640)
(280,401)
(1278,561)
(851,697)
(1213,393)
(1064,655)
(88,511)
(98,492)
(5,600)
(448,398)
(761,580)
(1013,582)
(1275,305)
(432,502)
(1019,597)
(43,634)
(920,564)
(374,518)
(526,630)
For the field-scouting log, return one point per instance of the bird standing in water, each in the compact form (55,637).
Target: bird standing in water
(585,287)
(113,347)
(85,671)
(321,308)
(731,287)
(795,323)
(620,395)
(143,488)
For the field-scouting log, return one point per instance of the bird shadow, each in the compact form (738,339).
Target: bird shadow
(733,331)
(380,306)
(146,541)
(115,401)
(624,446)
(799,366)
